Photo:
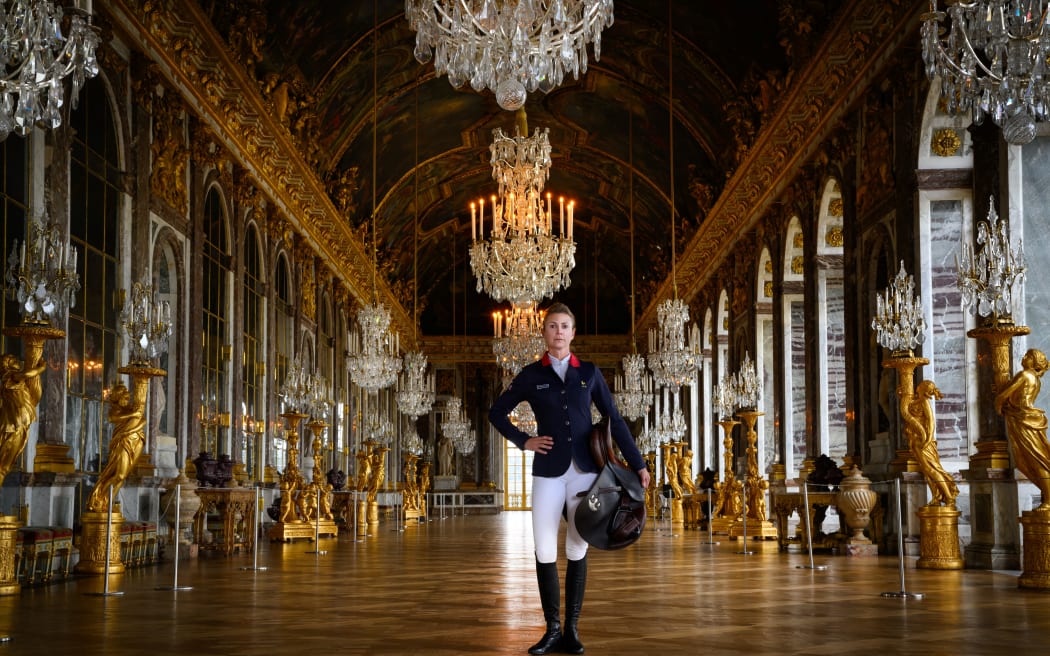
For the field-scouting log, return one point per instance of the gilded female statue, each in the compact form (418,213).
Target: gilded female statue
(129,436)
(671,472)
(685,470)
(1026,424)
(21,393)
(920,428)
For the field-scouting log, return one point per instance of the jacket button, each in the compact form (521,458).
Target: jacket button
(565,407)
(567,422)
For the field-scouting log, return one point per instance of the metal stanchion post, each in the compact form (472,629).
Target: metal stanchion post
(398,524)
(710,522)
(744,551)
(175,587)
(109,549)
(257,523)
(809,529)
(903,593)
(354,501)
(317,550)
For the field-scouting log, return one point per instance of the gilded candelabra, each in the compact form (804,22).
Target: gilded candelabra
(145,325)
(899,326)
(319,495)
(729,491)
(757,523)
(291,522)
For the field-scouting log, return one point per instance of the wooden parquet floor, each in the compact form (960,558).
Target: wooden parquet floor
(466,585)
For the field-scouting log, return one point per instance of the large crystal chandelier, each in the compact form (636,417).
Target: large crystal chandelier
(457,427)
(673,359)
(899,322)
(146,324)
(522,260)
(37,57)
(511,48)
(415,393)
(42,272)
(373,362)
(747,384)
(297,390)
(992,62)
(517,337)
(727,396)
(634,389)
(991,278)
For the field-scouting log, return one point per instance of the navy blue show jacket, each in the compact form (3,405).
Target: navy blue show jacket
(563,412)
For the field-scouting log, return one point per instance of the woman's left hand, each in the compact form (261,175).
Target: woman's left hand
(643,475)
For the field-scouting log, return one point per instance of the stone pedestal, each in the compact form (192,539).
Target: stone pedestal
(994,534)
(939,542)
(8,535)
(93,543)
(180,527)
(445,483)
(1036,528)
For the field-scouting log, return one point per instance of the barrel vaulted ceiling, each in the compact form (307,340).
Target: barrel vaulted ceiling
(733,66)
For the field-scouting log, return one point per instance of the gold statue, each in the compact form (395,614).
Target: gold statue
(129,436)
(920,427)
(671,470)
(364,468)
(21,393)
(1026,424)
(685,470)
(378,466)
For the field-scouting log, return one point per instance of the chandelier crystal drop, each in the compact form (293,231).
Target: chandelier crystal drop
(415,394)
(674,361)
(992,277)
(373,362)
(899,322)
(992,61)
(634,389)
(37,57)
(747,384)
(145,324)
(42,272)
(517,339)
(510,48)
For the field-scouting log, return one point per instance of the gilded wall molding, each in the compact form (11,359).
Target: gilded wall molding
(195,60)
(863,38)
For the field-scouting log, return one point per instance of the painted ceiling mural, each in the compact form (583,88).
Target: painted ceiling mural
(316,61)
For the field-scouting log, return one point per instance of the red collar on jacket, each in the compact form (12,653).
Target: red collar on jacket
(546,360)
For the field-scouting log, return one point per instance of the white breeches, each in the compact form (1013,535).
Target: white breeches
(549,496)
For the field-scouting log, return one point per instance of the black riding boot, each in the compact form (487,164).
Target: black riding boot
(575,584)
(550,595)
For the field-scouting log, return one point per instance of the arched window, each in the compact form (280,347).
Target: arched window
(831,335)
(216,305)
(94,204)
(253,371)
(765,363)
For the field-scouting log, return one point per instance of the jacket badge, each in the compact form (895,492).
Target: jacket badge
(543,386)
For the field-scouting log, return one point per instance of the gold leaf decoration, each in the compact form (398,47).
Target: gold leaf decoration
(945,142)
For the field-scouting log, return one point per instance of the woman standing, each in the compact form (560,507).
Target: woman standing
(560,389)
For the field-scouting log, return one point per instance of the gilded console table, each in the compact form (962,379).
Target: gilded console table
(235,507)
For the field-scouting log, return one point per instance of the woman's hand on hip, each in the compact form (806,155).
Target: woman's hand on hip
(643,475)
(539,444)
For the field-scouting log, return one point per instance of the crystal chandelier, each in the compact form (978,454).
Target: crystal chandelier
(992,62)
(634,389)
(523,260)
(991,278)
(524,419)
(377,428)
(899,322)
(510,48)
(373,362)
(36,57)
(747,384)
(726,396)
(415,394)
(146,324)
(518,338)
(296,389)
(411,442)
(674,361)
(456,425)
(42,272)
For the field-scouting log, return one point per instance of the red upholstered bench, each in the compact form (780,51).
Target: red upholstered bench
(62,538)
(149,543)
(127,541)
(37,549)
